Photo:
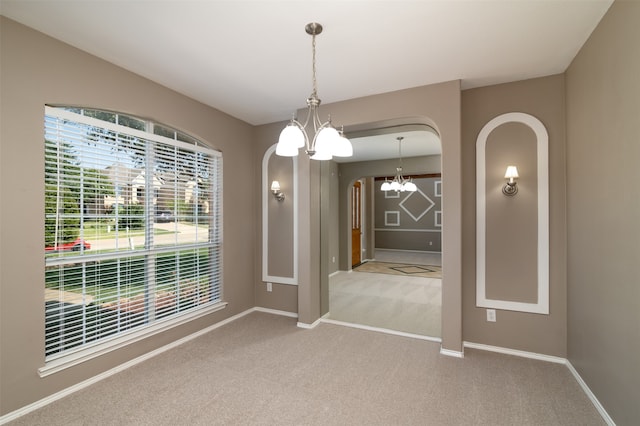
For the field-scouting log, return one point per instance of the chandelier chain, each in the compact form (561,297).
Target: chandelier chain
(313,69)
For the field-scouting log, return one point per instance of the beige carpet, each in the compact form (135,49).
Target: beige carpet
(263,370)
(425,271)
(407,304)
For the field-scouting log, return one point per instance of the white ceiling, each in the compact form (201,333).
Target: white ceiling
(252,59)
(380,144)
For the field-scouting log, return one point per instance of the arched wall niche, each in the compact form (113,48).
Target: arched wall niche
(279,220)
(512,233)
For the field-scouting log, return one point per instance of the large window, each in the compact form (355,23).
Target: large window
(133,228)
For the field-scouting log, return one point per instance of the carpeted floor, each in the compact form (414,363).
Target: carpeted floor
(394,296)
(263,370)
(393,302)
(425,271)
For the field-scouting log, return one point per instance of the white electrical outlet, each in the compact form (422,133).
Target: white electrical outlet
(333,259)
(491,315)
(269,287)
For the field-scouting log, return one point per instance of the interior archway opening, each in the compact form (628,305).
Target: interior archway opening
(391,241)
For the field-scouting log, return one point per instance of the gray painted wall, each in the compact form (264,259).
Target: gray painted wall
(38,70)
(603,208)
(437,106)
(409,221)
(544,99)
(350,172)
(595,263)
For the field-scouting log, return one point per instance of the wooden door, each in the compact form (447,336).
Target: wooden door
(356,225)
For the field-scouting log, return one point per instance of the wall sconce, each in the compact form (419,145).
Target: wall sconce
(511,187)
(275,190)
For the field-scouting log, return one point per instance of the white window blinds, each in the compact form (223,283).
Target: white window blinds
(133,221)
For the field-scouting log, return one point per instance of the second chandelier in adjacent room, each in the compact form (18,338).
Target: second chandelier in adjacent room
(399,183)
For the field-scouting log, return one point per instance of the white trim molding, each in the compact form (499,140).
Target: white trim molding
(265,222)
(542,138)
(309,326)
(449,352)
(389,215)
(548,358)
(274,312)
(380,330)
(120,341)
(95,379)
(515,352)
(605,416)
(425,211)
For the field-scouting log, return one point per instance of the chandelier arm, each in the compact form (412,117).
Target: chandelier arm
(306,121)
(317,130)
(317,123)
(304,133)
(311,149)
(311,116)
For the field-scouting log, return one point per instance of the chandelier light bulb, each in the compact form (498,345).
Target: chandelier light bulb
(291,138)
(409,186)
(343,147)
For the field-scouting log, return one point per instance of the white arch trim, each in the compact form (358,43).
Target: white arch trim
(265,221)
(542,138)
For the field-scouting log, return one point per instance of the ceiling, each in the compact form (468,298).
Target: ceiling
(380,144)
(252,59)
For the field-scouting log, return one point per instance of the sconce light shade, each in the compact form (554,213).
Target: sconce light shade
(511,173)
(511,187)
(275,190)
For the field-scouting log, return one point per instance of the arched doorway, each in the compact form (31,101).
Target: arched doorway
(383,302)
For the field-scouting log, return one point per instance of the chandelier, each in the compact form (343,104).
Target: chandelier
(399,183)
(327,142)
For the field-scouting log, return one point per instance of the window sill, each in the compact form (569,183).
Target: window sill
(86,354)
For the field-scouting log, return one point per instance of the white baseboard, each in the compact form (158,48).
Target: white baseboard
(449,352)
(274,312)
(605,416)
(309,326)
(549,358)
(79,386)
(515,352)
(380,330)
(406,251)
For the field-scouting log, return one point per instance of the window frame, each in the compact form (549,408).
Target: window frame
(68,358)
